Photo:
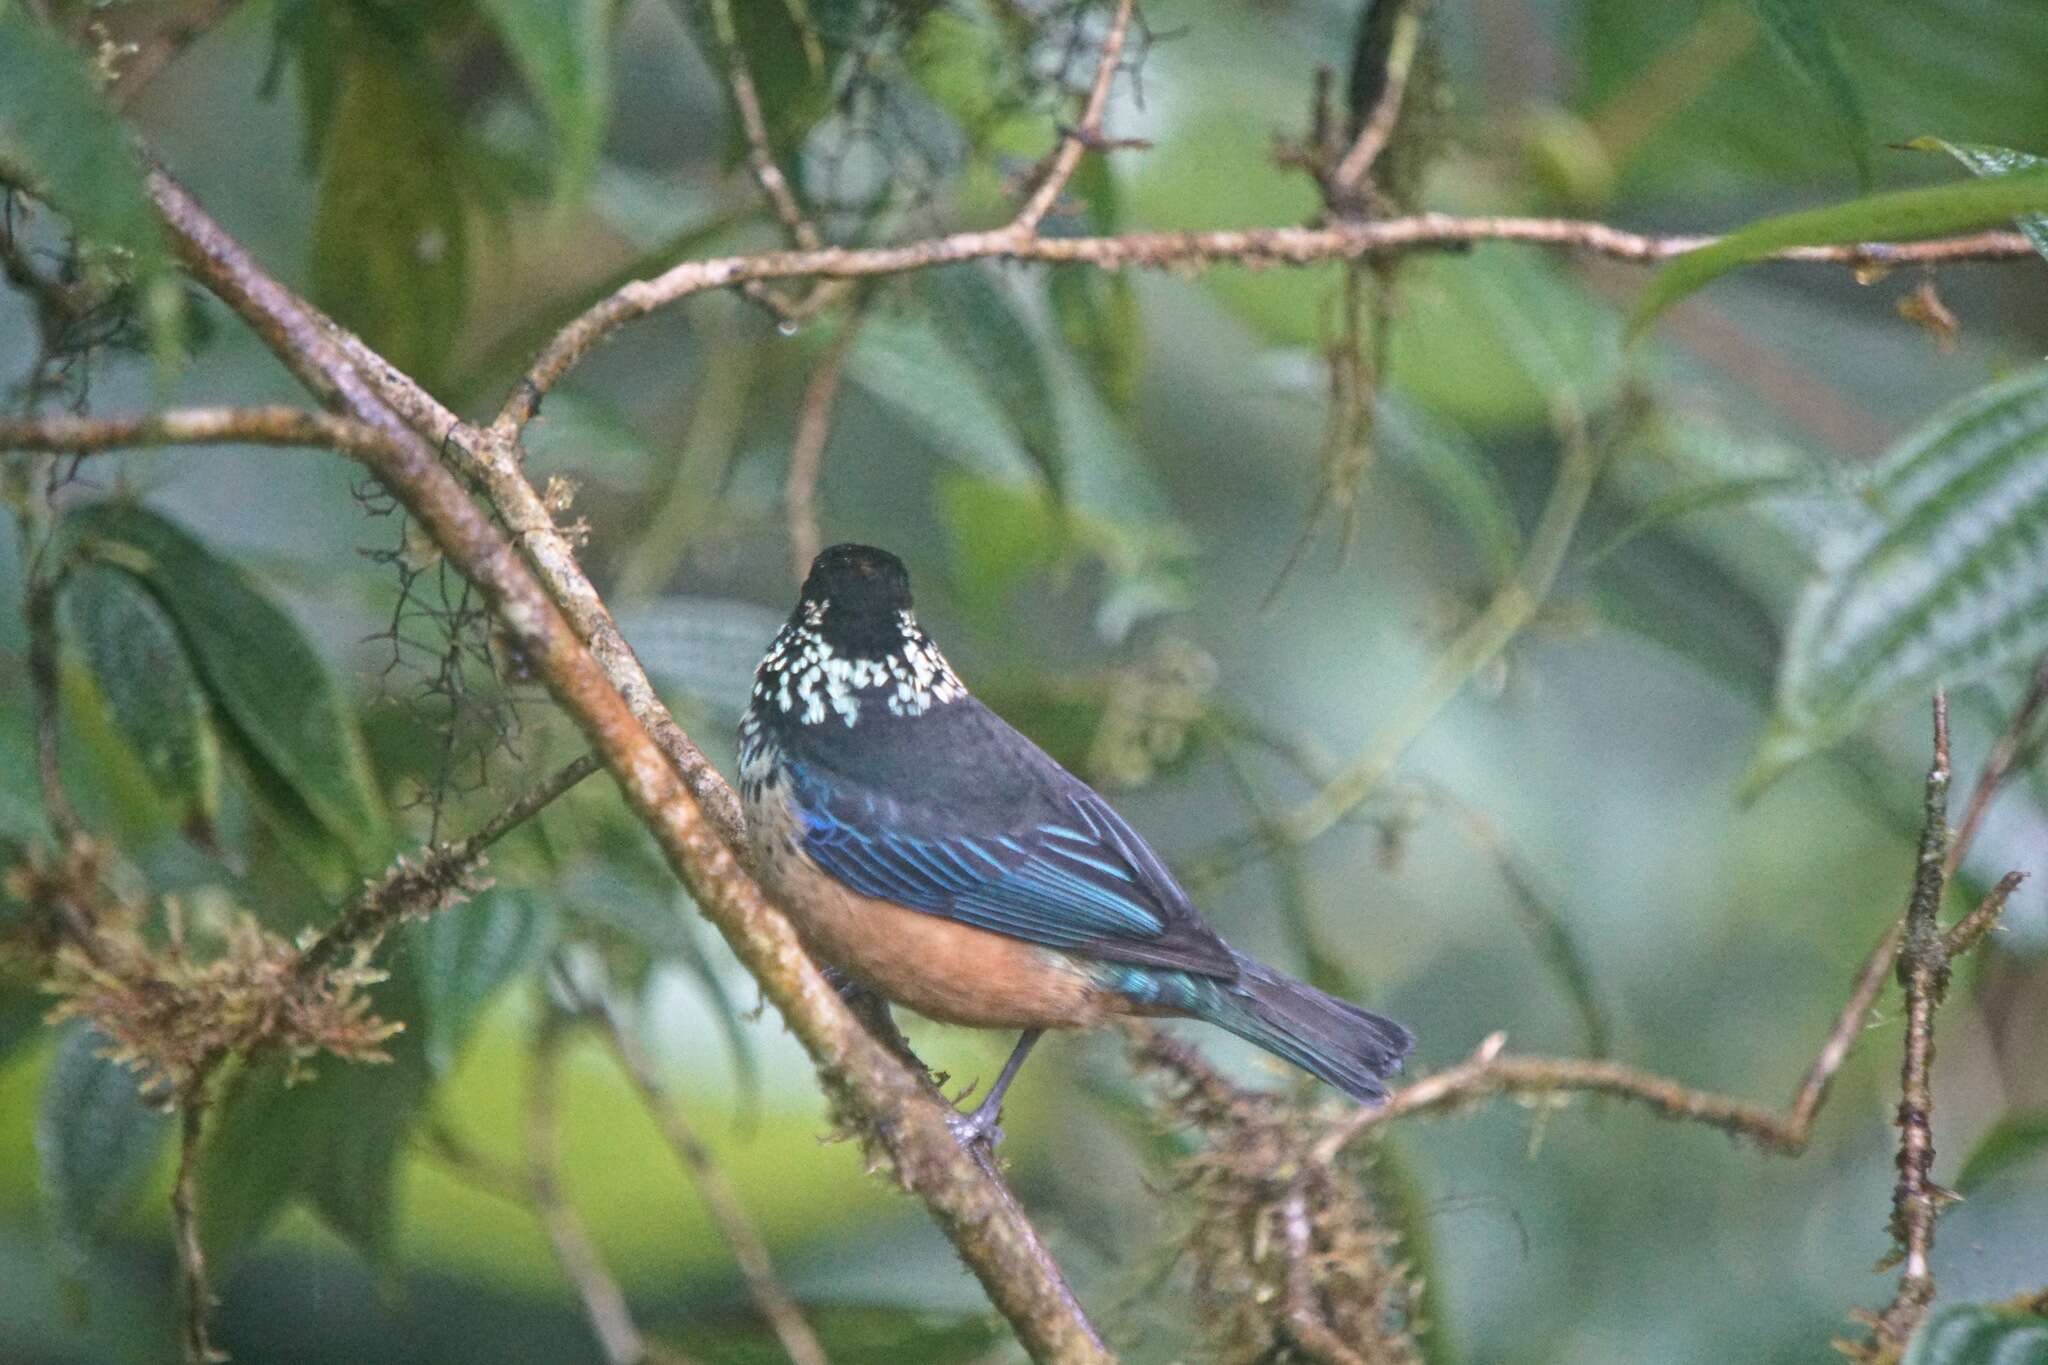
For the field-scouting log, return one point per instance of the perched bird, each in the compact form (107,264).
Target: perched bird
(939,858)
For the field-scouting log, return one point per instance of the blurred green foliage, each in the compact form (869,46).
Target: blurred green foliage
(1807,511)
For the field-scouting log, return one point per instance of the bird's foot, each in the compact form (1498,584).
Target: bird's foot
(978,1128)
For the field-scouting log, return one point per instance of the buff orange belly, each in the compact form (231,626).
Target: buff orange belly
(945,970)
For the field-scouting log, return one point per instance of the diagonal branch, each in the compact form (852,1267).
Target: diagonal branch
(746,101)
(861,1077)
(778,1307)
(604,1303)
(1350,173)
(1087,133)
(445,871)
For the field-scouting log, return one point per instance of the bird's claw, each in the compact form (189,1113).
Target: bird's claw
(976,1129)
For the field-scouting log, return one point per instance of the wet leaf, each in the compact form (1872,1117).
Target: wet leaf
(1458,472)
(560,47)
(390,230)
(705,647)
(258,1143)
(1096,311)
(981,324)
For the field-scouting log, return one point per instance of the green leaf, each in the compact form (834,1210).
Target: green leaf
(1109,508)
(2013,1141)
(96,1142)
(58,136)
(370,1108)
(1457,470)
(1095,312)
(1899,215)
(283,713)
(390,230)
(22,1006)
(1946,581)
(980,322)
(560,47)
(465,954)
(333,1140)
(1797,27)
(960,57)
(788,58)
(1986,160)
(859,1334)
(1980,1334)
(906,366)
(1685,502)
(151,692)
(257,1145)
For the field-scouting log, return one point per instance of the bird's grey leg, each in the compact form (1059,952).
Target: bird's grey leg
(980,1126)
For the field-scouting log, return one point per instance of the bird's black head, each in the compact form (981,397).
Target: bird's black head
(855,597)
(851,650)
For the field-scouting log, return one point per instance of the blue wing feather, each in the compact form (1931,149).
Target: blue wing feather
(1076,878)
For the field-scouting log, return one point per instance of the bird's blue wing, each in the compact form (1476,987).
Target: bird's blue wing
(1076,877)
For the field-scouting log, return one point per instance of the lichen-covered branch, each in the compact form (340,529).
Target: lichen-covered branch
(64,433)
(864,1080)
(1335,241)
(443,874)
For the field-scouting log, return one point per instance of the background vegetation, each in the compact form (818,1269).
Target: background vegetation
(1467,652)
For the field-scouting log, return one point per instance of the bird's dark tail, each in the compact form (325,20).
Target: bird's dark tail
(1331,1039)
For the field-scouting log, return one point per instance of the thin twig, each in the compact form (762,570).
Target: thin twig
(1349,176)
(1923,971)
(2000,762)
(195,1297)
(1971,928)
(1085,134)
(807,448)
(776,1304)
(437,879)
(603,1302)
(1340,240)
(746,102)
(266,426)
(1488,1073)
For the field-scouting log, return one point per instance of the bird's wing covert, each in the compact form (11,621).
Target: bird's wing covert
(1078,879)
